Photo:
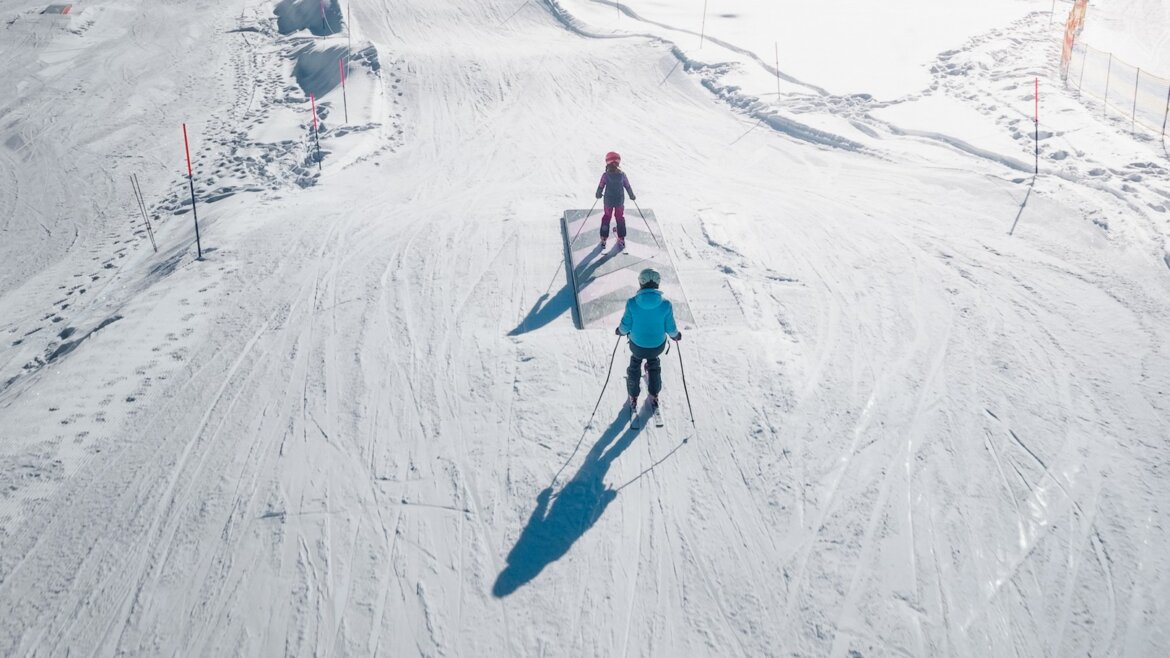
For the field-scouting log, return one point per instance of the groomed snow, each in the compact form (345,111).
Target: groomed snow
(358,425)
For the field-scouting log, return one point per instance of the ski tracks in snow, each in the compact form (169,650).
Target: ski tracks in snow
(911,439)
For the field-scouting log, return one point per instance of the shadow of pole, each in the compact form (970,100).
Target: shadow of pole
(557,523)
(547,309)
(544,311)
(655,465)
(1023,205)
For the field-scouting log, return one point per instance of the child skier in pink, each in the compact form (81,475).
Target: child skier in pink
(613,187)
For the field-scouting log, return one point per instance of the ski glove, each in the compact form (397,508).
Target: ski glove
(618,332)
(677,337)
(598,194)
(632,197)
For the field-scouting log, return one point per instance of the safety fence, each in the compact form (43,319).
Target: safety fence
(1138,95)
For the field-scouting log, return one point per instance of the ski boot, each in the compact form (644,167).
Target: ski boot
(632,403)
(621,244)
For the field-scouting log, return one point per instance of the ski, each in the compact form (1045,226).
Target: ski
(635,416)
(658,415)
(638,418)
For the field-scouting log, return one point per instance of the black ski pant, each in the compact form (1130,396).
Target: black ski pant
(653,368)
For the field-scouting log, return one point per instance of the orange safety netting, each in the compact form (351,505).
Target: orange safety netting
(1072,29)
(1137,95)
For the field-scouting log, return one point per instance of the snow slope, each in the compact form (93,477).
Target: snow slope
(844,46)
(356,427)
(1134,30)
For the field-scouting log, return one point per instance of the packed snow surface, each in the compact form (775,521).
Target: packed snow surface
(358,425)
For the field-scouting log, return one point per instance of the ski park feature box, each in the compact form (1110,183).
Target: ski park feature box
(603,279)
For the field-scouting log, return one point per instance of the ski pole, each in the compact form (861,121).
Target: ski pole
(651,231)
(586,221)
(558,270)
(683,370)
(608,374)
(591,416)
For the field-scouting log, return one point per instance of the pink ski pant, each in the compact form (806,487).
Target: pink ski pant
(618,213)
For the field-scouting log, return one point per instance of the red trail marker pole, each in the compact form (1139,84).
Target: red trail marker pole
(191,180)
(316,133)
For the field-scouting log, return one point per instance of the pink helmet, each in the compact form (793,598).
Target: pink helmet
(612,157)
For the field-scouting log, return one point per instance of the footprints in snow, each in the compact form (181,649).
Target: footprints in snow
(67,313)
(73,425)
(236,156)
(983,73)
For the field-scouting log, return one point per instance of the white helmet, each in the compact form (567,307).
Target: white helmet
(649,275)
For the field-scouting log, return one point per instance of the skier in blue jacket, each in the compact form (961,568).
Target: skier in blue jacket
(648,321)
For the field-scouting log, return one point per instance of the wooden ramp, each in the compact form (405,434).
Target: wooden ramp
(602,281)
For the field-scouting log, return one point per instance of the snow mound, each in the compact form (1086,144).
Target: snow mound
(319,18)
(316,69)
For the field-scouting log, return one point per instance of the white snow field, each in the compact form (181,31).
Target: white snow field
(1135,30)
(357,426)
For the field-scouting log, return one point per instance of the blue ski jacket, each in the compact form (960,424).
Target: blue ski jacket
(613,184)
(649,319)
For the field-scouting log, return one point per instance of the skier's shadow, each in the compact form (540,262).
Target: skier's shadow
(546,309)
(552,529)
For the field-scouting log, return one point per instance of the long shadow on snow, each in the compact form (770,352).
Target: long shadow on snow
(552,529)
(547,309)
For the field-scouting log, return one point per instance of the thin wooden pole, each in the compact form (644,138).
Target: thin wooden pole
(1133,113)
(344,97)
(1084,58)
(1165,115)
(777,45)
(1036,121)
(142,209)
(1108,77)
(316,133)
(703,27)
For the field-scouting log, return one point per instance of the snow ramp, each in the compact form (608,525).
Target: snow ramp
(603,279)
